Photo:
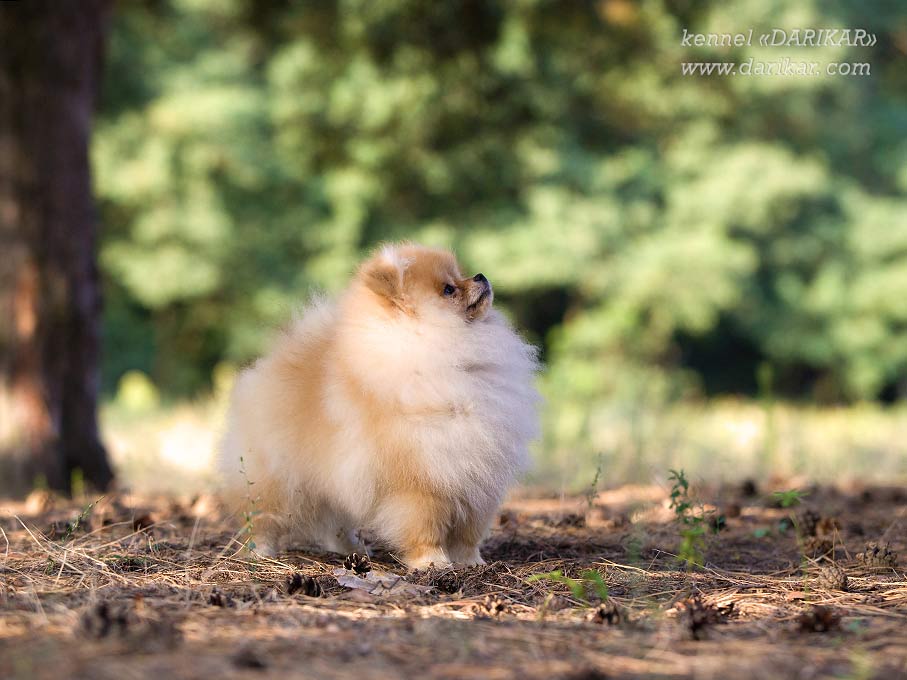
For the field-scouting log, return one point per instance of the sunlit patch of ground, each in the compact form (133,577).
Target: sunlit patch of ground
(171,449)
(145,586)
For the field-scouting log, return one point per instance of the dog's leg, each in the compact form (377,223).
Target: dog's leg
(316,524)
(416,524)
(335,533)
(266,534)
(465,536)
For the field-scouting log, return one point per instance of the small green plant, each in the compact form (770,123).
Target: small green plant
(680,494)
(597,583)
(592,491)
(73,526)
(251,511)
(790,498)
(692,543)
(589,584)
(692,519)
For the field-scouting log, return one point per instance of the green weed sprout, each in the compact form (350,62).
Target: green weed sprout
(693,524)
(589,584)
(789,498)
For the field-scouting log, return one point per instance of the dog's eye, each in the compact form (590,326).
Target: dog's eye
(449,290)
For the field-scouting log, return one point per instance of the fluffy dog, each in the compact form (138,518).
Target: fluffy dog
(404,408)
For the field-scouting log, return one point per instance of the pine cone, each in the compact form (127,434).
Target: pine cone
(357,563)
(606,612)
(748,488)
(571,519)
(717,523)
(447,581)
(832,577)
(492,606)
(306,585)
(878,557)
(695,614)
(819,619)
(247,657)
(104,619)
(807,521)
(218,598)
(828,526)
(815,547)
(142,522)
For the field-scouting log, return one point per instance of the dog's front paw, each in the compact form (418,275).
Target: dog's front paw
(473,561)
(466,557)
(422,559)
(263,549)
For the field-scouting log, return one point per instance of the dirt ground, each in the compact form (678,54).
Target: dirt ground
(156,587)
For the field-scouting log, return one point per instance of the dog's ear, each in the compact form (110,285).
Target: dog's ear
(383,274)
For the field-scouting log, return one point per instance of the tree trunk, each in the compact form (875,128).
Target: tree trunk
(50,65)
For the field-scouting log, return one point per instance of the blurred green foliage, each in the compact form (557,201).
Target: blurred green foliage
(661,236)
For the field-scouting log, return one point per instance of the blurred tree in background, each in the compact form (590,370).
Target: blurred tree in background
(50,306)
(661,236)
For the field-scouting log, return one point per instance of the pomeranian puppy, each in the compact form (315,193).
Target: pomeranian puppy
(403,409)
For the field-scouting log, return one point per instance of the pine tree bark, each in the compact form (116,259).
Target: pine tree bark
(50,65)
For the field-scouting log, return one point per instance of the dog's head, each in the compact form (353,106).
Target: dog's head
(426,282)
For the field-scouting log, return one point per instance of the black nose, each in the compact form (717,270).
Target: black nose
(480,278)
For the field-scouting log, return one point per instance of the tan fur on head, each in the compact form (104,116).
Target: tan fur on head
(383,275)
(404,408)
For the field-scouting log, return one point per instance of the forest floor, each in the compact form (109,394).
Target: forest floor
(143,587)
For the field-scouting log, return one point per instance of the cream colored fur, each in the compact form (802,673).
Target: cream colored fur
(392,412)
